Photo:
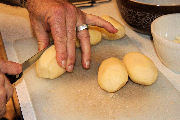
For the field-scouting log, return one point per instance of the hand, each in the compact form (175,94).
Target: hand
(62,18)
(6,89)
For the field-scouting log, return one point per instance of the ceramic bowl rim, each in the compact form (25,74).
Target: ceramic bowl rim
(149,4)
(164,40)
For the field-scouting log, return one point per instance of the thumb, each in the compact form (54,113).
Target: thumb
(40,32)
(9,67)
(9,89)
(2,101)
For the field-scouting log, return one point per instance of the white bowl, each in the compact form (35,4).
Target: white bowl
(164,31)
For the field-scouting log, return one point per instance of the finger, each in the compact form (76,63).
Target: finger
(41,33)
(2,80)
(2,101)
(84,39)
(9,89)
(58,30)
(97,21)
(9,67)
(71,37)
(2,95)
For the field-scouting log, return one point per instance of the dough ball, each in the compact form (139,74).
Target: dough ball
(110,36)
(177,40)
(95,36)
(112,75)
(47,66)
(140,68)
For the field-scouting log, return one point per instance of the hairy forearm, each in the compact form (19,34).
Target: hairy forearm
(21,3)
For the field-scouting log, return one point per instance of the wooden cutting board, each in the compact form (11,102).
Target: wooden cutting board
(77,96)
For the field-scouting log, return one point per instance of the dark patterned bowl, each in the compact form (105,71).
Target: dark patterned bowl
(139,14)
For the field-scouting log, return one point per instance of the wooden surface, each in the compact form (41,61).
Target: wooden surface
(13,102)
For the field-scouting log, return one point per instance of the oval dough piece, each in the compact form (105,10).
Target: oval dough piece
(140,68)
(47,66)
(95,36)
(177,40)
(112,75)
(110,36)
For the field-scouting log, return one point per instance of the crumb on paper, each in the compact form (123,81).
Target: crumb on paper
(111,95)
(50,91)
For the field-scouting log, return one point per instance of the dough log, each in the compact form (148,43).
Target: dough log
(47,66)
(140,68)
(112,75)
(110,36)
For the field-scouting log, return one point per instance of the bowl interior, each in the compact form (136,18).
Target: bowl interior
(167,26)
(159,2)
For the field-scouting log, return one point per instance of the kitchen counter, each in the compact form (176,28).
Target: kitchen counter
(19,17)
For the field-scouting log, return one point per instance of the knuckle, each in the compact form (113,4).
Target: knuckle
(84,36)
(98,22)
(55,14)
(60,58)
(87,37)
(71,59)
(73,40)
(86,53)
(61,54)
(72,34)
(82,16)
(72,9)
(58,10)
(60,42)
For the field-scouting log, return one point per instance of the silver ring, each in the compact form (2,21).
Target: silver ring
(82,27)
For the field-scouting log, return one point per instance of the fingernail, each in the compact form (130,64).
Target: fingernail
(115,30)
(40,48)
(70,68)
(87,64)
(64,64)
